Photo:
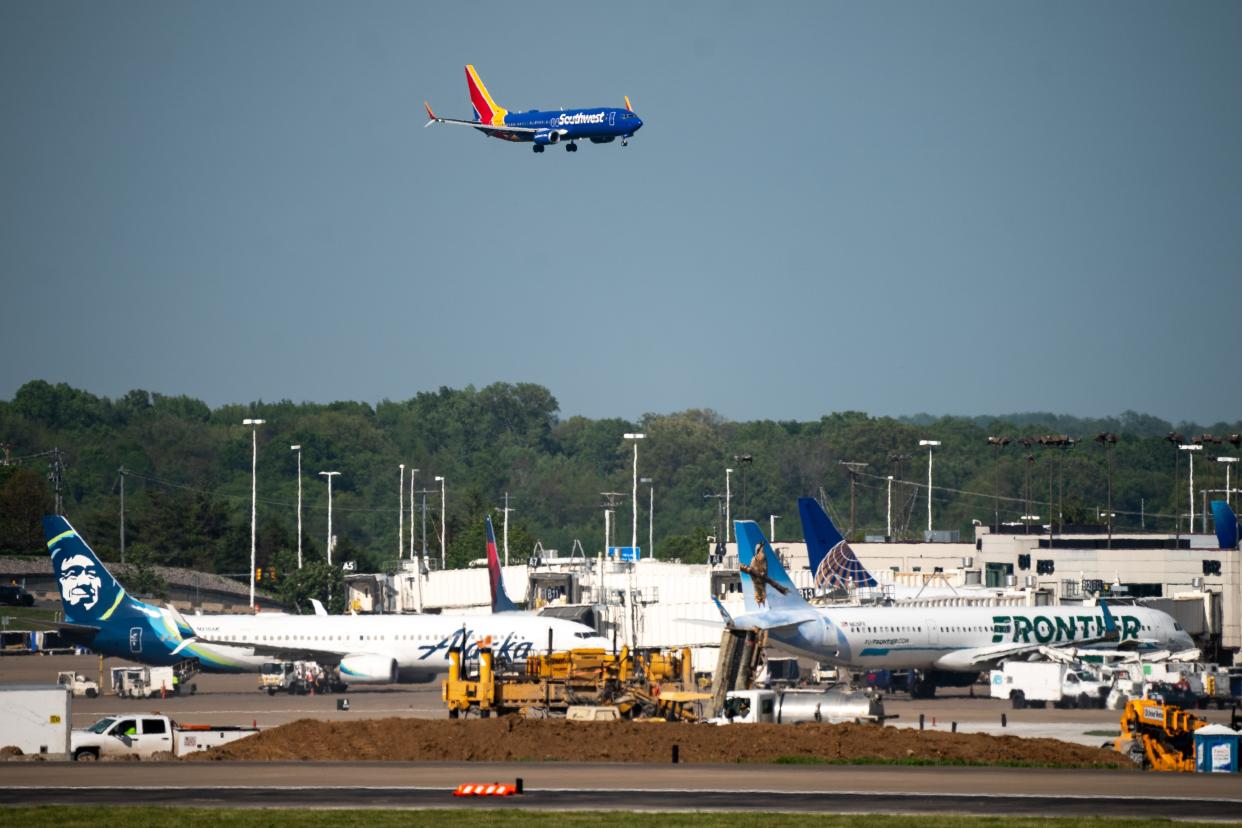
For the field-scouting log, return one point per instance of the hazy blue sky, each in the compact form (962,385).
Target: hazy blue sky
(953,207)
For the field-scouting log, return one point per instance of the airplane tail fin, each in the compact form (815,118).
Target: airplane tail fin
(89,594)
(765,583)
(832,560)
(486,110)
(1226,524)
(431,116)
(500,598)
(627,103)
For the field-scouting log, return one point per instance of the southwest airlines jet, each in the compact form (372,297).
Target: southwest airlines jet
(599,125)
(945,644)
(367,649)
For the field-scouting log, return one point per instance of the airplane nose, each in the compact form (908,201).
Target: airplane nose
(638,123)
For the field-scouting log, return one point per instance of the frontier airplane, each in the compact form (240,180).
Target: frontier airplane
(599,125)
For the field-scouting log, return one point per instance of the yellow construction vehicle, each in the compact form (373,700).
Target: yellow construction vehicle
(1158,736)
(644,686)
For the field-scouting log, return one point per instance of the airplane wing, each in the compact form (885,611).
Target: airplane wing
(62,626)
(980,657)
(276,652)
(489,129)
(773,619)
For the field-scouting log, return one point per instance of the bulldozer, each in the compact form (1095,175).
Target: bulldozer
(1158,736)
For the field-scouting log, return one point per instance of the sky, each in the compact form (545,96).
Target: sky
(951,207)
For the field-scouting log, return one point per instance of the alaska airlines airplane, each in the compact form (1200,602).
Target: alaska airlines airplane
(375,649)
(837,567)
(599,125)
(945,644)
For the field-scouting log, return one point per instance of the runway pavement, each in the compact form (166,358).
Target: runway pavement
(631,787)
(235,699)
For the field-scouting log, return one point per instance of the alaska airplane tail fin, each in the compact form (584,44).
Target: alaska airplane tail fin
(831,559)
(500,598)
(1226,524)
(486,110)
(765,583)
(89,594)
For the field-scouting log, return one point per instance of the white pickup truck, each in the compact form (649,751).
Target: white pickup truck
(142,735)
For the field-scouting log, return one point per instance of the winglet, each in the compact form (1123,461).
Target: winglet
(430,115)
(627,103)
(724,613)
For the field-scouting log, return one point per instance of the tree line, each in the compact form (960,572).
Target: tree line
(187,473)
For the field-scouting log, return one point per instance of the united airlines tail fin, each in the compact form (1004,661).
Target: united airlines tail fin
(833,562)
(500,598)
(486,110)
(1226,524)
(765,583)
(89,594)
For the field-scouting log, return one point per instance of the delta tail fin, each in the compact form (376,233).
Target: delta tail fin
(1226,524)
(832,560)
(486,110)
(89,594)
(500,598)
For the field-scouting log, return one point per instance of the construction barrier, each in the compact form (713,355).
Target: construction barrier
(488,789)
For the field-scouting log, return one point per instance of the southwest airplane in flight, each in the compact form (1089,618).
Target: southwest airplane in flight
(366,649)
(599,125)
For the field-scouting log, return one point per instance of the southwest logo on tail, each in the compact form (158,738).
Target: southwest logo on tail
(500,598)
(599,125)
(835,565)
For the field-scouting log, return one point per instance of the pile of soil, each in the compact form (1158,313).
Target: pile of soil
(517,739)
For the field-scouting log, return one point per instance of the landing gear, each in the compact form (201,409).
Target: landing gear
(625,142)
(538,148)
(571,147)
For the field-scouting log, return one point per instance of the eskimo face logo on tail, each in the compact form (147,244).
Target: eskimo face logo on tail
(80,584)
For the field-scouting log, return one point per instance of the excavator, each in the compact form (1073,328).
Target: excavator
(1158,736)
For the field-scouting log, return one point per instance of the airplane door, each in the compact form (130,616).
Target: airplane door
(933,632)
(612,119)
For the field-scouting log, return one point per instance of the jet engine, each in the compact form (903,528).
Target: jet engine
(548,136)
(366,668)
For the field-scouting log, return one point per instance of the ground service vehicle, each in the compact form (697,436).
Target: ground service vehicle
(142,682)
(1158,736)
(1035,683)
(78,684)
(794,706)
(297,678)
(142,735)
(14,596)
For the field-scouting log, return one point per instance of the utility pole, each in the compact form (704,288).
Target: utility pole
(401,512)
(507,510)
(57,467)
(121,472)
(853,468)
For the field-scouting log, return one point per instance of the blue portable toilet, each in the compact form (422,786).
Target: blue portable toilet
(1216,749)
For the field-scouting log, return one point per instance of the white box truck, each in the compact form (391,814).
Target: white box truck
(145,734)
(1035,683)
(35,718)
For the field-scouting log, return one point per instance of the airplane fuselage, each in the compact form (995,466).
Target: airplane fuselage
(949,638)
(598,124)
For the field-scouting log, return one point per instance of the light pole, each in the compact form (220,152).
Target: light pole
(889,512)
(998,443)
(930,445)
(401,512)
(413,475)
(254,465)
(634,495)
(443,523)
(744,460)
(772,519)
(1108,440)
(1228,461)
(298,449)
(1191,448)
(728,503)
(329,475)
(650,515)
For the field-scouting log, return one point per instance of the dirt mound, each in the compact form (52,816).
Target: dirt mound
(517,739)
